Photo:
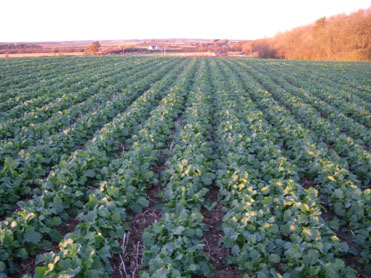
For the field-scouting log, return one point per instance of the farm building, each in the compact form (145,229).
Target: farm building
(152,48)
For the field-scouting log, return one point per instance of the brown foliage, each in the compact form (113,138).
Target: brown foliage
(341,37)
(93,48)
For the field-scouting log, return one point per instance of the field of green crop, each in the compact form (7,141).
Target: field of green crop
(184,167)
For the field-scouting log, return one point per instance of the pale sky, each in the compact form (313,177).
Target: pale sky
(51,20)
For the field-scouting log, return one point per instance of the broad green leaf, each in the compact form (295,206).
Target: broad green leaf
(235,250)
(40,271)
(143,202)
(55,235)
(339,193)
(90,173)
(207,180)
(274,258)
(178,230)
(147,239)
(56,221)
(33,237)
(92,273)
(312,257)
(22,253)
(104,212)
(116,217)
(192,267)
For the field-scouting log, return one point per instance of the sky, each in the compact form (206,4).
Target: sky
(50,20)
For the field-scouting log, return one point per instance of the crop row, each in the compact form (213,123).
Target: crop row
(348,153)
(24,172)
(75,94)
(349,80)
(335,92)
(336,116)
(87,250)
(92,80)
(64,191)
(151,139)
(312,161)
(49,82)
(51,73)
(18,98)
(31,134)
(174,245)
(272,225)
(26,70)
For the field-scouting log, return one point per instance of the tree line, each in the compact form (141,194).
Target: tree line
(340,37)
(19,46)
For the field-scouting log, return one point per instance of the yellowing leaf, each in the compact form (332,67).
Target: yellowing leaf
(331,178)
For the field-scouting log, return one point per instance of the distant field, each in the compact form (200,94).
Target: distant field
(38,55)
(155,54)
(184,167)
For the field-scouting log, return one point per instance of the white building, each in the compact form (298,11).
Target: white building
(152,47)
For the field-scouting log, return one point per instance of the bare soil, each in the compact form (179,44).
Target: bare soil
(129,262)
(213,220)
(306,182)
